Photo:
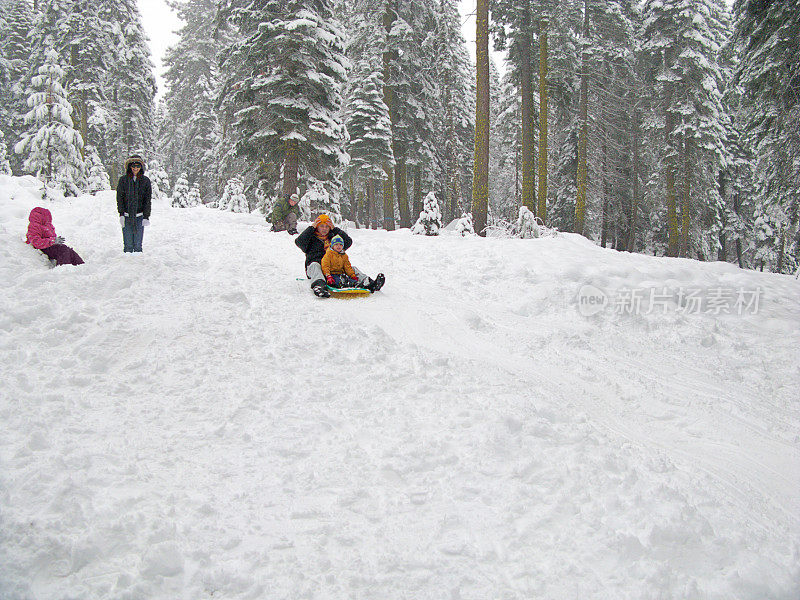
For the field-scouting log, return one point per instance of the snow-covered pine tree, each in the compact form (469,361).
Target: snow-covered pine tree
(97,176)
(563,100)
(52,147)
(767,36)
(615,94)
(132,82)
(180,195)
(320,199)
(682,49)
(16,48)
(505,147)
(430,219)
(515,24)
(193,82)
(86,39)
(233,198)
(453,108)
(45,34)
(370,145)
(194,198)
(414,33)
(5,74)
(730,224)
(286,75)
(424,59)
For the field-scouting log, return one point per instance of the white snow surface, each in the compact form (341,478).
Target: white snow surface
(192,423)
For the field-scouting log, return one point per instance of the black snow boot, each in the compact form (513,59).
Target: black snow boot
(375,284)
(319,289)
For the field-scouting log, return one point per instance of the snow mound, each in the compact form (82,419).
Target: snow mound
(507,418)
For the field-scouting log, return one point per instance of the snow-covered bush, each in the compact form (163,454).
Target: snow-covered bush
(527,227)
(464,225)
(180,197)
(233,198)
(317,200)
(430,219)
(264,199)
(194,198)
(97,179)
(159,179)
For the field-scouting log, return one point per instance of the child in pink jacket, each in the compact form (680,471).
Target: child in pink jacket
(42,235)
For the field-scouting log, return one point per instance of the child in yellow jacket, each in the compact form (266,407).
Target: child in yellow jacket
(336,265)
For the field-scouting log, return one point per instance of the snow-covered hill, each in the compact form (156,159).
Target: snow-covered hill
(502,421)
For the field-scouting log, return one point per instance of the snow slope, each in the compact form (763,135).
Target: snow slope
(193,423)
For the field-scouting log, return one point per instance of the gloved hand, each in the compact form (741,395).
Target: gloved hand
(329,279)
(59,240)
(122,220)
(145,222)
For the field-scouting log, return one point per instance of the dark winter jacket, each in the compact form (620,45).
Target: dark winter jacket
(314,247)
(133,197)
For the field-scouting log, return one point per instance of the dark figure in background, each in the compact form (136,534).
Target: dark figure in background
(284,214)
(133,203)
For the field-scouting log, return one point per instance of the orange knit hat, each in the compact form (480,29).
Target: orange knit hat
(323,219)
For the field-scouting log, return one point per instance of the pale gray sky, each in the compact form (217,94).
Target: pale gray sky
(160,23)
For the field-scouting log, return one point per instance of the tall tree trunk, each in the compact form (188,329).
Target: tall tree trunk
(605,217)
(290,168)
(353,200)
(673,243)
(687,195)
(84,121)
(389,59)
(543,98)
(417,192)
(480,183)
(722,253)
(636,192)
(372,202)
(517,188)
(450,201)
(583,140)
(367,201)
(526,85)
(388,199)
(402,191)
(736,208)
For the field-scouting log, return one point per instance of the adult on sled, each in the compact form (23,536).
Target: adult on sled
(314,242)
(42,236)
(133,203)
(284,214)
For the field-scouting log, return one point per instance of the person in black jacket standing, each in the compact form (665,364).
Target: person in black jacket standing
(133,203)
(314,242)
